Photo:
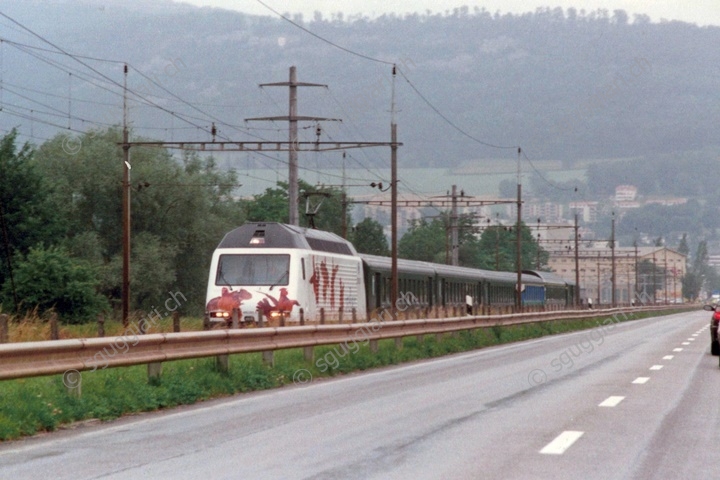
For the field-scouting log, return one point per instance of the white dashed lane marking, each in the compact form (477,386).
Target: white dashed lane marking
(641,380)
(668,357)
(656,367)
(561,443)
(677,349)
(611,402)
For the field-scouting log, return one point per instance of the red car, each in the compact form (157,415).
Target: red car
(714,344)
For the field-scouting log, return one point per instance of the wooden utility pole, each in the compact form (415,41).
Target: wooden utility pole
(577,264)
(126,211)
(394,287)
(455,247)
(612,269)
(292,119)
(518,257)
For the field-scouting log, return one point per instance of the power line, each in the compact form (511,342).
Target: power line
(347,50)
(97,72)
(448,121)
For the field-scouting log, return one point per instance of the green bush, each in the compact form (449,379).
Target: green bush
(48,278)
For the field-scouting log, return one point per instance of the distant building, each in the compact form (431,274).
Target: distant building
(625,193)
(587,210)
(595,265)
(548,211)
(666,201)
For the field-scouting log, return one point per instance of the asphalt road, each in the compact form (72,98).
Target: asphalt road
(637,400)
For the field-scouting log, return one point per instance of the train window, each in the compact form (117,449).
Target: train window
(253,269)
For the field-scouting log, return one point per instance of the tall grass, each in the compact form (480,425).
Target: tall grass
(32,327)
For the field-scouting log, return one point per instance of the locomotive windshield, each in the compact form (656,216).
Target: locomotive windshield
(253,270)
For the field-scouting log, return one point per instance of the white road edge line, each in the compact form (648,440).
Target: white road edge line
(561,443)
(641,380)
(611,402)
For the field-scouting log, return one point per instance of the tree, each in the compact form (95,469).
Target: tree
(272,206)
(498,249)
(426,241)
(683,245)
(51,279)
(699,274)
(181,208)
(27,216)
(368,237)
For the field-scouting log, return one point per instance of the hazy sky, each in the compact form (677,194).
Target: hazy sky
(702,12)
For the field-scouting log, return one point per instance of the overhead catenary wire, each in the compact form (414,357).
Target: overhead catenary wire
(94,70)
(309,32)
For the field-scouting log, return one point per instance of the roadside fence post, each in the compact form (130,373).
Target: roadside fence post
(154,370)
(176,321)
(268,358)
(4,328)
(54,334)
(222,363)
(309,354)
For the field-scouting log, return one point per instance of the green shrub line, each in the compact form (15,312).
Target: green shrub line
(41,404)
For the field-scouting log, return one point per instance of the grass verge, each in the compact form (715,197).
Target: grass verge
(30,406)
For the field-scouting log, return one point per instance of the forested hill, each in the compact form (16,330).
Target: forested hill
(562,84)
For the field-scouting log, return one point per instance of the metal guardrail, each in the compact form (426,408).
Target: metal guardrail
(30,359)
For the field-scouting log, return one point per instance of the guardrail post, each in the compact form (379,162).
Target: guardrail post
(222,363)
(268,358)
(176,321)
(420,338)
(438,337)
(374,346)
(302,317)
(282,319)
(399,343)
(322,316)
(309,354)
(206,322)
(354,315)
(54,334)
(3,328)
(235,319)
(340,315)
(72,379)
(261,319)
(154,372)
(101,326)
